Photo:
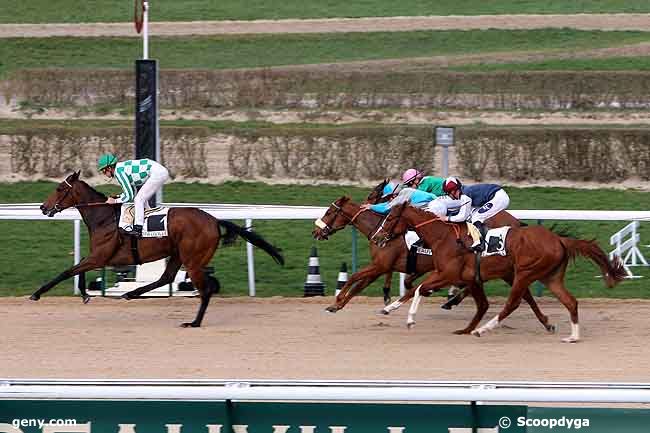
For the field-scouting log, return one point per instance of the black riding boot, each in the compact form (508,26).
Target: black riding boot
(137,231)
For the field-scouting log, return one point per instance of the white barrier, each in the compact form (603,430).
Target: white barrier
(385,391)
(247,212)
(625,242)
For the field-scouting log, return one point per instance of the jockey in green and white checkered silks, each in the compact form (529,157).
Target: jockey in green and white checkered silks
(139,179)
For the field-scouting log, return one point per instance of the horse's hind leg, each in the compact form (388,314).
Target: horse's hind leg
(517,292)
(203,286)
(528,297)
(543,319)
(555,284)
(482,305)
(173,265)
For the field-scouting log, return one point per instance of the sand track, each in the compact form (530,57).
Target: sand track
(293,338)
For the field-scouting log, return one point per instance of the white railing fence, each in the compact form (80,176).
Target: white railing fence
(250,212)
(305,390)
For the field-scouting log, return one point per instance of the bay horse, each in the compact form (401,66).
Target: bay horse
(533,253)
(393,256)
(193,238)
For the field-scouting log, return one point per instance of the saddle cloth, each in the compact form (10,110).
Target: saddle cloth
(411,238)
(155,220)
(495,242)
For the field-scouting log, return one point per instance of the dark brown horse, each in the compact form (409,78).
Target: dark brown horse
(194,236)
(533,254)
(393,256)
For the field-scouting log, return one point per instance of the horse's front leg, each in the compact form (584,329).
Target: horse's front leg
(354,286)
(434,282)
(85,265)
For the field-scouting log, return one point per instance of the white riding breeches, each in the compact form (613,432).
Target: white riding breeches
(499,202)
(159,175)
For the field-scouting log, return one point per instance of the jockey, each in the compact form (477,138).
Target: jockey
(414,178)
(139,179)
(417,198)
(486,200)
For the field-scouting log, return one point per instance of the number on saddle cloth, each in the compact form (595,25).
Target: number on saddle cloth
(495,239)
(155,220)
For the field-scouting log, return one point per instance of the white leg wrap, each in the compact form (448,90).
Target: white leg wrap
(575,334)
(489,326)
(392,307)
(414,307)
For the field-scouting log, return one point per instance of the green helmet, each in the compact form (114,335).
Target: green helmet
(106,160)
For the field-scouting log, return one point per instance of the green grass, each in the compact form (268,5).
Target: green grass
(604,64)
(41,11)
(277,50)
(35,251)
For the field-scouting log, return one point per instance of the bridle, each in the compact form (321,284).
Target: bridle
(388,235)
(57,207)
(327,229)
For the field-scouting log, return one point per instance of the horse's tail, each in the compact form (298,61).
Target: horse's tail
(233,230)
(612,270)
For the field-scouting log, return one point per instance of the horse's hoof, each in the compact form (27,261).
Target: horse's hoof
(462,331)
(85,299)
(126,296)
(386,300)
(476,333)
(552,329)
(383,312)
(410,325)
(332,309)
(35,297)
(570,340)
(445,307)
(190,325)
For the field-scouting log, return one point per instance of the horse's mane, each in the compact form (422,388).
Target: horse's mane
(93,191)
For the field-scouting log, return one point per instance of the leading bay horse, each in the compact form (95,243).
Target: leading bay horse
(533,253)
(393,257)
(193,237)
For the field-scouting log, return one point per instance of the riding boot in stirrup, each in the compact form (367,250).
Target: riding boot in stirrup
(137,231)
(482,231)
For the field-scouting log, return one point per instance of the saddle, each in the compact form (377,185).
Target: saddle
(155,220)
(415,247)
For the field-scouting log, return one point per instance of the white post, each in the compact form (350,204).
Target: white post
(402,289)
(251,261)
(77,252)
(145,30)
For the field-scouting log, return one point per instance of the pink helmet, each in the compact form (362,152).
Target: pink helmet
(451,184)
(410,175)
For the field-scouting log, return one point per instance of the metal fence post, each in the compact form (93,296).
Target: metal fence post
(251,261)
(77,252)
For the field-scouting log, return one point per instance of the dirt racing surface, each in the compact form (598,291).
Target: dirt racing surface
(639,22)
(293,338)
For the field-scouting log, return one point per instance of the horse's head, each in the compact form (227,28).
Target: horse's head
(65,195)
(383,192)
(335,219)
(392,226)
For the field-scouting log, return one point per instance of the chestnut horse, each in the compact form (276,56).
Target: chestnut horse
(533,253)
(393,256)
(193,238)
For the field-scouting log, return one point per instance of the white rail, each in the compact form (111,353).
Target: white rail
(248,212)
(252,390)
